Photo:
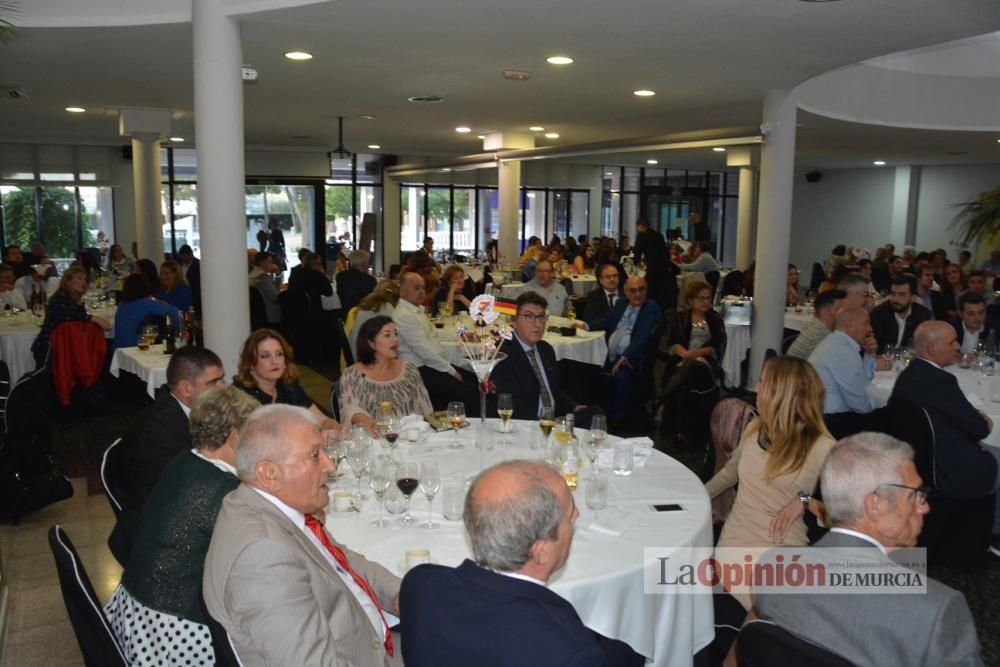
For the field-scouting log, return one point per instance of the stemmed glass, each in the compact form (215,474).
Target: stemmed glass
(430,482)
(357,456)
(390,434)
(456,417)
(595,440)
(336,449)
(505,410)
(407,479)
(380,478)
(546,422)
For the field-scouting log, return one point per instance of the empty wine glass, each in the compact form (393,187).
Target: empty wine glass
(407,480)
(595,440)
(379,479)
(336,449)
(456,417)
(357,456)
(430,482)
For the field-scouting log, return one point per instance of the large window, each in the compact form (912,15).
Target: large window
(280,218)
(354,204)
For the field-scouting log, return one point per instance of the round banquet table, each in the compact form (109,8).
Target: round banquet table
(588,347)
(603,577)
(738,343)
(475,271)
(150,366)
(582,286)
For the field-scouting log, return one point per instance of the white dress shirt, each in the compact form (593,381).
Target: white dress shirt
(14,299)
(417,343)
(970,340)
(25,283)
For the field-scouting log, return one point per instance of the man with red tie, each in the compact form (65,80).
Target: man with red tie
(285,591)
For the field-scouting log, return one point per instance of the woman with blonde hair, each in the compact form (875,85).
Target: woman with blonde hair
(778,461)
(173,286)
(65,305)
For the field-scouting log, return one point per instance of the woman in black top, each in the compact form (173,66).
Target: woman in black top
(66,305)
(267,373)
(454,293)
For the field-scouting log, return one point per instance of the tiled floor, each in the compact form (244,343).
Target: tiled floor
(38,629)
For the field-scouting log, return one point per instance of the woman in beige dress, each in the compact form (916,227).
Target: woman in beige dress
(780,454)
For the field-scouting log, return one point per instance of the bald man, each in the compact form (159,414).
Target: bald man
(845,361)
(965,468)
(498,609)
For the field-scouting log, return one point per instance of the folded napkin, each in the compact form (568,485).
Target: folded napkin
(642,447)
(414,421)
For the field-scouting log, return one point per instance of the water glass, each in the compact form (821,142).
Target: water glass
(430,483)
(623,463)
(595,492)
(453,500)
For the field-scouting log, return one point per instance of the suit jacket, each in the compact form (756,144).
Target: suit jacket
(934,630)
(472,616)
(514,376)
(962,468)
(988,328)
(649,318)
(651,246)
(193,277)
(352,286)
(313,283)
(598,306)
(160,434)
(887,329)
(278,596)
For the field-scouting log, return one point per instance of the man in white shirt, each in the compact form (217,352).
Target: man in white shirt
(544,283)
(10,297)
(285,591)
(38,282)
(972,327)
(418,345)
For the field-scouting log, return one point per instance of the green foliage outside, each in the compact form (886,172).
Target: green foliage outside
(58,220)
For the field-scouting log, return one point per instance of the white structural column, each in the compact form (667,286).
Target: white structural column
(744,159)
(509,180)
(774,226)
(218,106)
(391,239)
(148,211)
(905,195)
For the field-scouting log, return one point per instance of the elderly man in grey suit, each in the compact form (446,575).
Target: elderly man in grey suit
(876,502)
(285,591)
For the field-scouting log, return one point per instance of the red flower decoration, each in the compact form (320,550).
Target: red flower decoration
(488,387)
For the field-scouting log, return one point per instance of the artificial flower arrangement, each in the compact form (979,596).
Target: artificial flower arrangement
(490,334)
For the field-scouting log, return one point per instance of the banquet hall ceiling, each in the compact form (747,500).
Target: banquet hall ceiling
(709,63)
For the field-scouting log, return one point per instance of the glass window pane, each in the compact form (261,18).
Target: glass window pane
(411,209)
(370,201)
(732,183)
(489,216)
(612,178)
(97,216)
(533,203)
(164,164)
(185,164)
(340,170)
(715,219)
(611,214)
(630,213)
(729,233)
(675,179)
(696,179)
(338,218)
(58,222)
(185,220)
(579,214)
(558,214)
(715,183)
(631,179)
(369,168)
(19,216)
(285,214)
(438,217)
(653,176)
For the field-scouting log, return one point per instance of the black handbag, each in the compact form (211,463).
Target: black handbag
(40,490)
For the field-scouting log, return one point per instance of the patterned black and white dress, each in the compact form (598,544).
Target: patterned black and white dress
(361,394)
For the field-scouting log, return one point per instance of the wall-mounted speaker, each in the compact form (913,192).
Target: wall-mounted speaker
(813,177)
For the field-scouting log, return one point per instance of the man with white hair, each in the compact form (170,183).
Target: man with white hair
(876,503)
(285,591)
(355,283)
(845,362)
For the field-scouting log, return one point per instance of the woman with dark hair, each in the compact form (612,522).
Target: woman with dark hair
(585,261)
(147,269)
(379,376)
(135,305)
(173,287)
(156,609)
(65,305)
(90,262)
(266,372)
(452,296)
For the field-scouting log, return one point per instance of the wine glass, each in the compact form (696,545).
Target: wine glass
(336,449)
(390,434)
(430,482)
(380,478)
(595,440)
(546,422)
(505,411)
(456,417)
(407,480)
(357,456)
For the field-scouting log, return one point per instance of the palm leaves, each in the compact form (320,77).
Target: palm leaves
(978,219)
(6,26)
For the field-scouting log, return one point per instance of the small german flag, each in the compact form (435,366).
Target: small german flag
(505,307)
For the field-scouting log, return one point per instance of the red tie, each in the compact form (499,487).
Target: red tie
(338,555)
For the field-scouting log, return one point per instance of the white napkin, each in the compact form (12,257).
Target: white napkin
(415,421)
(642,447)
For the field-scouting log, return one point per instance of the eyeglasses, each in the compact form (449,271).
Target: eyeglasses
(921,493)
(532,317)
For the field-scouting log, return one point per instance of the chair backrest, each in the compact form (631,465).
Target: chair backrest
(712,278)
(764,644)
(258,312)
(295,307)
(732,284)
(5,387)
(730,417)
(817,277)
(98,642)
(108,465)
(26,419)
(335,400)
(345,343)
(79,350)
(225,654)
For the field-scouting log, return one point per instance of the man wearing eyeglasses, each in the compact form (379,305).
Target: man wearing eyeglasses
(964,467)
(876,502)
(602,300)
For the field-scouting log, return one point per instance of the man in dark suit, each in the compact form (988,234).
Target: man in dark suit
(876,502)
(973,326)
(629,328)
(894,321)
(602,299)
(192,274)
(160,433)
(661,273)
(311,279)
(498,610)
(530,373)
(928,298)
(964,467)
(355,283)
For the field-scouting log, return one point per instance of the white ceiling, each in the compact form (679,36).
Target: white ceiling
(710,63)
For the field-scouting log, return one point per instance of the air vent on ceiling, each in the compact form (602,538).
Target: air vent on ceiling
(13,94)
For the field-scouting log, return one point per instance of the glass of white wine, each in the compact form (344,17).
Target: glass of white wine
(505,411)
(546,422)
(456,417)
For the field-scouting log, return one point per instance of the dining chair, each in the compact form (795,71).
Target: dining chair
(764,644)
(108,460)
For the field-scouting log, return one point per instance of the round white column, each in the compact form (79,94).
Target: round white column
(744,219)
(218,106)
(774,227)
(148,211)
(509,181)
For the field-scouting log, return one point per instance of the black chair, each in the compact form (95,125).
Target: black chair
(258,312)
(770,353)
(225,654)
(764,644)
(345,343)
(732,284)
(818,276)
(97,640)
(4,390)
(335,400)
(108,461)
(787,341)
(712,278)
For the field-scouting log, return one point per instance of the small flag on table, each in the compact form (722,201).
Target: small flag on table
(505,307)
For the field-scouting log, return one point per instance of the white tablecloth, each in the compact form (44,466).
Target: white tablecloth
(603,576)
(796,320)
(582,285)
(17,333)
(738,342)
(151,366)
(976,388)
(588,347)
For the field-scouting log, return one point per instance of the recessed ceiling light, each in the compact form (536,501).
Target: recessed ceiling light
(446,169)
(463,129)
(719,149)
(516,74)
(298,55)
(559,60)
(652,162)
(551,135)
(642,92)
(536,128)
(430,99)
(879,163)
(366,116)
(608,173)
(374,147)
(177,140)
(75,109)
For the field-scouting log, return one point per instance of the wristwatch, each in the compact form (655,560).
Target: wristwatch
(804,498)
